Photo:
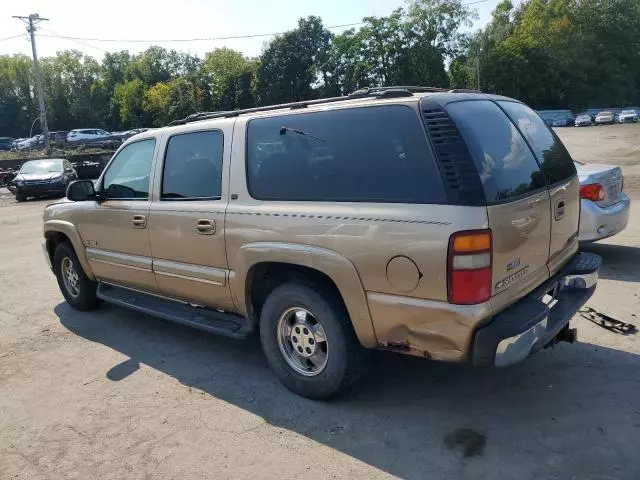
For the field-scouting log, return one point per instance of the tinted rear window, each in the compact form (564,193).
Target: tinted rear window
(373,154)
(504,162)
(551,153)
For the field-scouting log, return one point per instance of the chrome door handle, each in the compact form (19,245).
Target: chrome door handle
(139,221)
(206,227)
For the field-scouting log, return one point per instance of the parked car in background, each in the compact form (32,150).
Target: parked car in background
(124,135)
(355,229)
(32,142)
(605,118)
(88,169)
(584,120)
(58,136)
(604,206)
(6,143)
(6,176)
(86,135)
(628,116)
(14,145)
(559,122)
(40,178)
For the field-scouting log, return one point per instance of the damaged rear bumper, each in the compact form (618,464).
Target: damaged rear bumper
(539,318)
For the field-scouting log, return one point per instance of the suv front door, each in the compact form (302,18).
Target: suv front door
(186,222)
(114,230)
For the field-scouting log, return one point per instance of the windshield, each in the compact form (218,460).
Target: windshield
(42,166)
(604,114)
(628,112)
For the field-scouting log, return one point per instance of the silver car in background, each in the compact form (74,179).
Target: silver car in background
(628,116)
(583,121)
(604,206)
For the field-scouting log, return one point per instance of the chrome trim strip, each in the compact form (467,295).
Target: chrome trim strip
(188,271)
(116,264)
(135,262)
(193,279)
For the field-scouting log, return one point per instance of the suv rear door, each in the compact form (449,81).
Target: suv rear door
(518,202)
(560,172)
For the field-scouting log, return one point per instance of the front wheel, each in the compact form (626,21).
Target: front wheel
(309,342)
(79,291)
(20,197)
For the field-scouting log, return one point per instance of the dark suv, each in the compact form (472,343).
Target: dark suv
(39,178)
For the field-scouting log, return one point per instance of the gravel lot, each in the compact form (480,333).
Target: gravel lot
(115,395)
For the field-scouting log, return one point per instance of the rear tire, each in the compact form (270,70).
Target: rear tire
(79,291)
(324,357)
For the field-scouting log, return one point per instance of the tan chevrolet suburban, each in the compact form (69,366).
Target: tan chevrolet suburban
(440,224)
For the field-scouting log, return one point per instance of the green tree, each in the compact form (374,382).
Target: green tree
(292,63)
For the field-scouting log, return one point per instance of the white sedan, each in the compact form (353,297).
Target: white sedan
(604,206)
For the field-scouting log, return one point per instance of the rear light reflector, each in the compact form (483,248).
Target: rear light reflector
(592,191)
(469,267)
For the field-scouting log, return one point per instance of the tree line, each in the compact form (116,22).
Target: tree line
(548,53)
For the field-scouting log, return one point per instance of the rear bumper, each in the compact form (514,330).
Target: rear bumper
(598,222)
(531,323)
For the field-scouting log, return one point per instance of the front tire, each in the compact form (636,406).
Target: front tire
(78,290)
(20,198)
(309,342)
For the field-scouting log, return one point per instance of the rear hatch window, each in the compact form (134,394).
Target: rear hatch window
(551,153)
(503,160)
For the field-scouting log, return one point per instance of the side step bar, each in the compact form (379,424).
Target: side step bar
(221,323)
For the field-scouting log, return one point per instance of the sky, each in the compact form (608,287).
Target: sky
(181,19)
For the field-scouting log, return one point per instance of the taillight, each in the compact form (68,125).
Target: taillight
(469,267)
(592,191)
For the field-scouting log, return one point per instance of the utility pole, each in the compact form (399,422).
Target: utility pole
(478,71)
(32,20)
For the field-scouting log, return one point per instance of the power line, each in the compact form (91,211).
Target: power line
(55,35)
(169,40)
(9,38)
(204,39)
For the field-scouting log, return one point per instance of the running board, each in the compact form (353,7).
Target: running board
(221,323)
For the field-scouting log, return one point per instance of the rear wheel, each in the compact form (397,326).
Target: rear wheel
(308,341)
(79,291)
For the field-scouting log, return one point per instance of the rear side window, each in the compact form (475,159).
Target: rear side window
(551,153)
(193,166)
(504,162)
(369,154)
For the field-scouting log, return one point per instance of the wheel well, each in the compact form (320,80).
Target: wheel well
(264,277)
(53,240)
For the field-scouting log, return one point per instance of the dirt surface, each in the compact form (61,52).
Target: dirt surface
(117,395)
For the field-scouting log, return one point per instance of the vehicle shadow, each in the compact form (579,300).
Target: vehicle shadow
(569,412)
(619,262)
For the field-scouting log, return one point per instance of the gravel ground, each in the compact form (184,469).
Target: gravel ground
(117,395)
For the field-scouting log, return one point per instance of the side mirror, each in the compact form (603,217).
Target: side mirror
(81,191)
(68,170)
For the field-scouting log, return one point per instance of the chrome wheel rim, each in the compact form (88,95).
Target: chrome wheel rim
(302,341)
(70,277)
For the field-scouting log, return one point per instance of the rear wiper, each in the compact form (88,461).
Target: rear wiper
(284,130)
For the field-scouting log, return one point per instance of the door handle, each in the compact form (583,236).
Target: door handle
(559,213)
(206,227)
(139,221)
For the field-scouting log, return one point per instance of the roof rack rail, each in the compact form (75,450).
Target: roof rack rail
(376,92)
(464,90)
